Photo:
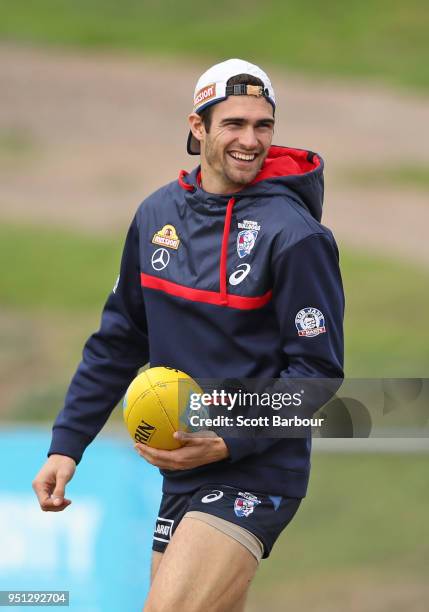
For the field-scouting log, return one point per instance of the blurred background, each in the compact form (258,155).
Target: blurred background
(93,103)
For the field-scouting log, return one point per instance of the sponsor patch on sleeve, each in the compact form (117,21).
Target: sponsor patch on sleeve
(310,322)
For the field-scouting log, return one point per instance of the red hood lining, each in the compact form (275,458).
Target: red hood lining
(284,161)
(280,161)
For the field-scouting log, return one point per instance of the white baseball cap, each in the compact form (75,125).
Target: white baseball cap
(212,88)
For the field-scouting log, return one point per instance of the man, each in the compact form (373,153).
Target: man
(220,269)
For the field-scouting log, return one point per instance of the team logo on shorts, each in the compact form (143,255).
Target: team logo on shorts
(310,322)
(167,236)
(245,504)
(163,529)
(246,241)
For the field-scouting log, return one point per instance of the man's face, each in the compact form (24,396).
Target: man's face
(240,135)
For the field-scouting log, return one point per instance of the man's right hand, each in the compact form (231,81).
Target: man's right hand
(49,484)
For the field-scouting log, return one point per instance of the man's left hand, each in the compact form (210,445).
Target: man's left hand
(197,450)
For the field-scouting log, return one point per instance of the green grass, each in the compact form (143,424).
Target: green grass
(16,141)
(414,176)
(57,271)
(363,524)
(379,39)
(382,336)
(372,514)
(52,269)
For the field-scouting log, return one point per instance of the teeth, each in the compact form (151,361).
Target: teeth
(243,156)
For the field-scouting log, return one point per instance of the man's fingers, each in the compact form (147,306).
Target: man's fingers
(188,437)
(50,483)
(50,493)
(49,506)
(59,491)
(57,507)
(47,501)
(42,490)
(151,454)
(159,458)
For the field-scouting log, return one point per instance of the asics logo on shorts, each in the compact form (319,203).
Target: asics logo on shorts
(211,497)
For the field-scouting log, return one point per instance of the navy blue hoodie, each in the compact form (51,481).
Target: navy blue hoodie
(218,286)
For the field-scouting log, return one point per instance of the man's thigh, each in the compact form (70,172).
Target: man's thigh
(202,570)
(156,560)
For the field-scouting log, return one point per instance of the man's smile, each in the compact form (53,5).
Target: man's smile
(242,157)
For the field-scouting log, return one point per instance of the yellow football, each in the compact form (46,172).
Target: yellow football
(156,405)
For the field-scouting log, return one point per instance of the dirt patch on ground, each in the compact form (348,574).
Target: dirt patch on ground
(84,138)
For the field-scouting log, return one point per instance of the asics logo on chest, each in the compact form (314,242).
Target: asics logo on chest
(239,275)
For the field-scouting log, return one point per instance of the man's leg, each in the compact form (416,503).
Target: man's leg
(156,560)
(202,570)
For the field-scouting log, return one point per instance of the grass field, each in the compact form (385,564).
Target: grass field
(362,528)
(376,39)
(54,269)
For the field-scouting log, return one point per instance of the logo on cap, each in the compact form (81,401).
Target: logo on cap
(206,93)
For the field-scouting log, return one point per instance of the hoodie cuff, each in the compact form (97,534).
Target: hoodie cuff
(238,448)
(69,443)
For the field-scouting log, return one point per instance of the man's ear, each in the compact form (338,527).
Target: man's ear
(196,126)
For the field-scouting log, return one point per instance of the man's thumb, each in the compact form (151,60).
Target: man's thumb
(58,494)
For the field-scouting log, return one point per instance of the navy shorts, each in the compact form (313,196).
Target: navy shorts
(263,515)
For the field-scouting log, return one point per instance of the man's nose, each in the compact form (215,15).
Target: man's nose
(248,137)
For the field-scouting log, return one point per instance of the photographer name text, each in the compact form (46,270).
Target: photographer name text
(274,420)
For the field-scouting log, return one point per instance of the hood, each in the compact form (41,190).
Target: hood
(296,173)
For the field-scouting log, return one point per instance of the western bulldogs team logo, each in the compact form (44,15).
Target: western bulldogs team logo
(310,322)
(246,241)
(245,504)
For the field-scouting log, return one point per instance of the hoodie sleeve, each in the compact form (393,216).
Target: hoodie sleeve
(111,358)
(309,303)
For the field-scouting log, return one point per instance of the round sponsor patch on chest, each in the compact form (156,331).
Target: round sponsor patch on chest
(310,322)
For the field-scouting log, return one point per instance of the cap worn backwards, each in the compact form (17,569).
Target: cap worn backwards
(212,88)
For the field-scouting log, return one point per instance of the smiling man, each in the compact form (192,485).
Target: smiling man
(235,137)
(227,272)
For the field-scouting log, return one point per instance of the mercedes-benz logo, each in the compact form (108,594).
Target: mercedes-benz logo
(160,259)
